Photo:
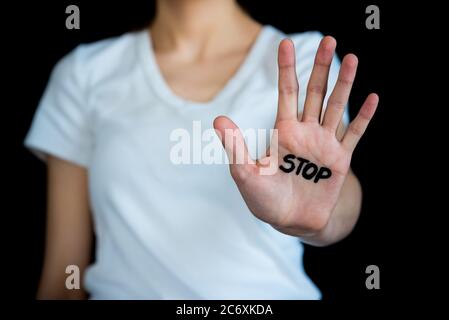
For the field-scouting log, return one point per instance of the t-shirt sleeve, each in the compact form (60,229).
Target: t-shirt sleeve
(60,126)
(306,45)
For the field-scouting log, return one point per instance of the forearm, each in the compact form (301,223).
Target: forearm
(344,216)
(69,229)
(52,287)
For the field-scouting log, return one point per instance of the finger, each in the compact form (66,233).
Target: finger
(317,86)
(240,161)
(340,95)
(358,126)
(341,129)
(288,82)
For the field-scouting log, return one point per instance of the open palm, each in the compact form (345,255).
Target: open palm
(311,162)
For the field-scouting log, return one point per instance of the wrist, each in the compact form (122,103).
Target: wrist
(320,235)
(320,238)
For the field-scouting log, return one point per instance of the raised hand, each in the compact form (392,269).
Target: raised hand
(312,162)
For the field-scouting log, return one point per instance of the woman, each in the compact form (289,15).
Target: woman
(170,230)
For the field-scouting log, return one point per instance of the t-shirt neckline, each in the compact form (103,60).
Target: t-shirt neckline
(161,88)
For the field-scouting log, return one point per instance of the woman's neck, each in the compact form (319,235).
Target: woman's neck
(200,27)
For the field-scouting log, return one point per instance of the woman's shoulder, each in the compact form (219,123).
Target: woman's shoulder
(100,58)
(303,41)
(306,39)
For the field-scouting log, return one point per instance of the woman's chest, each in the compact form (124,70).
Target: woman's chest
(135,132)
(199,81)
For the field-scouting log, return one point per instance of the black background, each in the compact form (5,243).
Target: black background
(37,39)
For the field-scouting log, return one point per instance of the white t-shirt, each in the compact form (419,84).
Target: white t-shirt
(167,231)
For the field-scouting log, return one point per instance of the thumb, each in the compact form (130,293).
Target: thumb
(235,146)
